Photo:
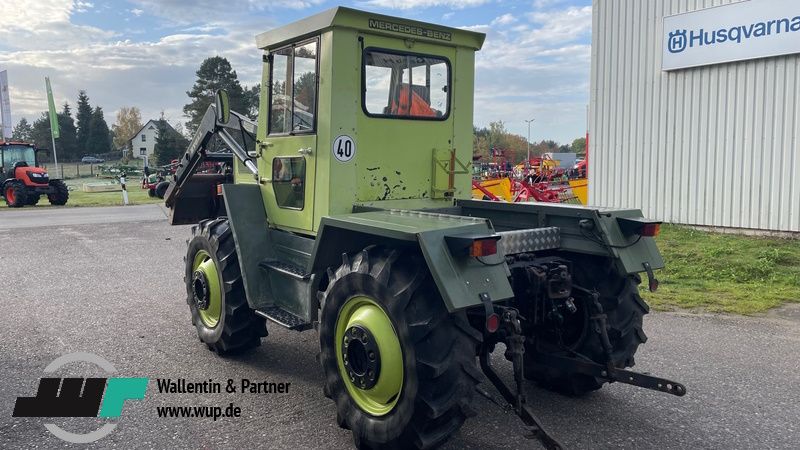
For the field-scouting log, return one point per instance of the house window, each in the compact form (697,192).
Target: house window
(144,138)
(143,151)
(293,93)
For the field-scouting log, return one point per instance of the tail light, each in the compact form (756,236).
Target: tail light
(471,245)
(639,226)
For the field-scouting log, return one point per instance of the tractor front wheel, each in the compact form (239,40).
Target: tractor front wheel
(60,193)
(399,366)
(16,194)
(215,292)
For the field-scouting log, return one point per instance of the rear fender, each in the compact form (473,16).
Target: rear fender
(460,279)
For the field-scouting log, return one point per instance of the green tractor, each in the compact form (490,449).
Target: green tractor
(346,209)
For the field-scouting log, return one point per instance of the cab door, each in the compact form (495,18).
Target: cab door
(288,153)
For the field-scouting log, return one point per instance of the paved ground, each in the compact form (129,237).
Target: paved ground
(116,290)
(48,217)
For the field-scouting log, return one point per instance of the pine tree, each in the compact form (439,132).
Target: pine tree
(169,143)
(67,143)
(41,131)
(214,73)
(99,140)
(84,117)
(23,131)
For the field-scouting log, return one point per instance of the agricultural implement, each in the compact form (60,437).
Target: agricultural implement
(347,210)
(22,181)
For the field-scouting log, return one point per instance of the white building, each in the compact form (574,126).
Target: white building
(695,111)
(143,142)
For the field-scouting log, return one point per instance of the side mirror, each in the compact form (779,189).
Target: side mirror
(222,107)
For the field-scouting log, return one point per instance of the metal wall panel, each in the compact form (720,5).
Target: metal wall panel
(714,145)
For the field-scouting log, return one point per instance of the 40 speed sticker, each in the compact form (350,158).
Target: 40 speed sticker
(344,148)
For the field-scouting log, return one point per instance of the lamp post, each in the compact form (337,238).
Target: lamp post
(528,161)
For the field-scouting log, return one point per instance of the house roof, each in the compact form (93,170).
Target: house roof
(145,126)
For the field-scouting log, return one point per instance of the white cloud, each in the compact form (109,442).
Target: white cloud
(417,4)
(82,6)
(137,12)
(505,19)
(189,11)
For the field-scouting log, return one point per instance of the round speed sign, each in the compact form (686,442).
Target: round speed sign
(344,148)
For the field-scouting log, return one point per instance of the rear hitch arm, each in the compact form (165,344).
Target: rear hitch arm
(514,350)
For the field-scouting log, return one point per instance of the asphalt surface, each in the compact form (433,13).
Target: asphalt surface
(115,289)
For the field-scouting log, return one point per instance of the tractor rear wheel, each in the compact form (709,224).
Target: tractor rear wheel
(399,367)
(60,195)
(215,291)
(151,192)
(16,194)
(624,309)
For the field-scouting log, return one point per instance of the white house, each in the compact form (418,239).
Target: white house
(143,142)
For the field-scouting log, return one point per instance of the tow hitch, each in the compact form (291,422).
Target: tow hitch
(510,326)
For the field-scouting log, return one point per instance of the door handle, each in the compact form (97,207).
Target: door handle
(305,151)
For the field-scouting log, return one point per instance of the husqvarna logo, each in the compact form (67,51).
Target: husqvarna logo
(677,41)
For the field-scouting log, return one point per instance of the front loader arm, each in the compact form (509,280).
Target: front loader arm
(190,195)
(197,152)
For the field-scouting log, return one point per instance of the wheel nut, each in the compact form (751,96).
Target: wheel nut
(372,356)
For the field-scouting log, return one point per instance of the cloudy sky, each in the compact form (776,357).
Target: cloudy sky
(535,63)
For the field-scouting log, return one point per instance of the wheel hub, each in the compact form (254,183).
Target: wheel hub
(369,355)
(206,289)
(361,357)
(202,295)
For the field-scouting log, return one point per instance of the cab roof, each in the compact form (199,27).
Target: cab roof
(342,17)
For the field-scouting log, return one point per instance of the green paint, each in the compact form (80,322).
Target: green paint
(365,312)
(205,264)
(117,391)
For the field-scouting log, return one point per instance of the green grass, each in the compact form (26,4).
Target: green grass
(726,273)
(136,195)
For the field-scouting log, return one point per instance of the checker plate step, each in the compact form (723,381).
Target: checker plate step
(283,318)
(285,268)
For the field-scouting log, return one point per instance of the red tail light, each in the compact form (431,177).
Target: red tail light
(651,229)
(483,247)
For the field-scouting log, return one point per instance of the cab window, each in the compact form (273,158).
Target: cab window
(293,89)
(405,85)
(288,181)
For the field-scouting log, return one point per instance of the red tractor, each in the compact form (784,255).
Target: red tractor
(22,181)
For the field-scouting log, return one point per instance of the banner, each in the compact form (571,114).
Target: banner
(52,106)
(735,32)
(5,106)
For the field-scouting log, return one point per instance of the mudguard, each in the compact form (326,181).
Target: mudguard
(461,279)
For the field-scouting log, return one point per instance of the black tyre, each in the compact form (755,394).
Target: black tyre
(215,291)
(161,189)
(151,192)
(624,309)
(33,199)
(434,352)
(16,194)
(61,194)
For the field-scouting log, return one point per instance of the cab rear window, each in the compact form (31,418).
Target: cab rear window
(405,85)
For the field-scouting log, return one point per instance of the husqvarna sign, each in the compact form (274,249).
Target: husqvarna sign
(744,30)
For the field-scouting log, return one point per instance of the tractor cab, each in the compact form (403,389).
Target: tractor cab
(14,155)
(359,109)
